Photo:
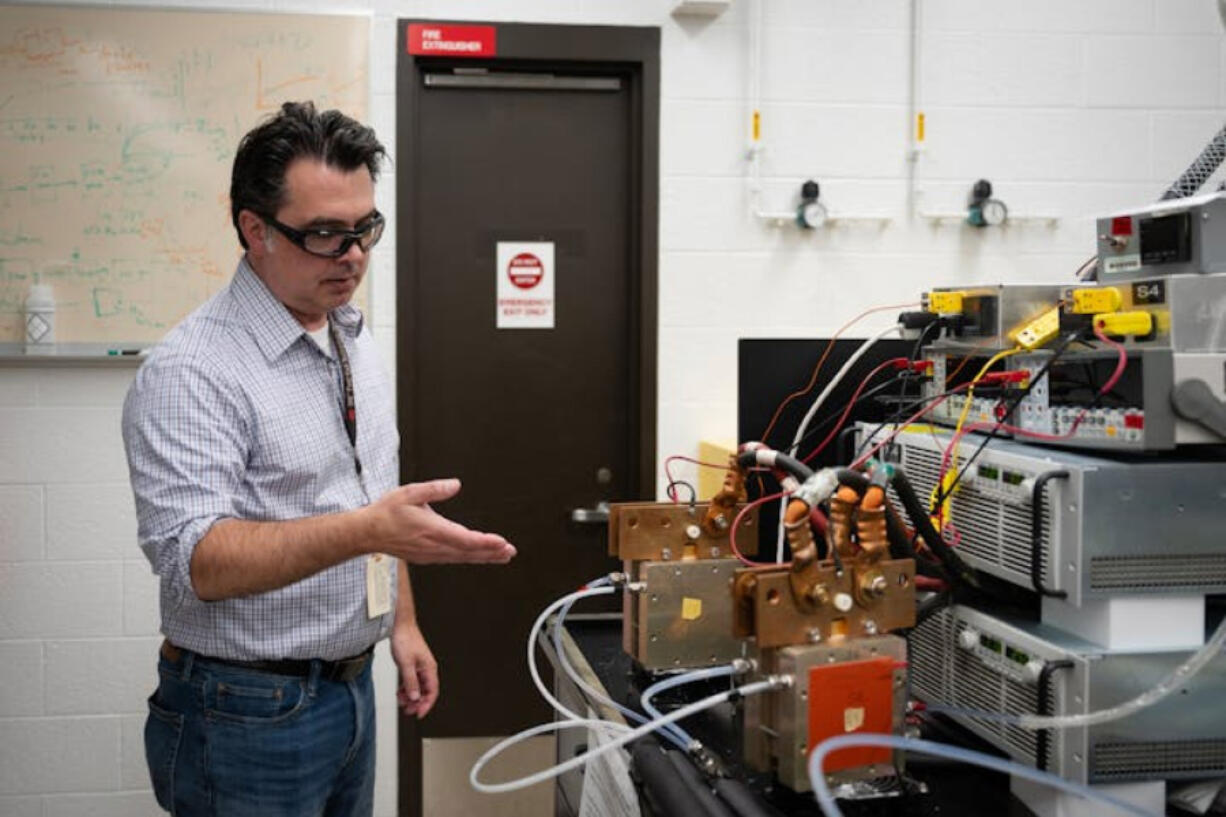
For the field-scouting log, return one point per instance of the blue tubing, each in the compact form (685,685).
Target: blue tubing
(830,808)
(671,732)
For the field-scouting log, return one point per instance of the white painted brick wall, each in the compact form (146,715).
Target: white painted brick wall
(1071,109)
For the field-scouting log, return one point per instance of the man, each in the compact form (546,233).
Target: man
(262,448)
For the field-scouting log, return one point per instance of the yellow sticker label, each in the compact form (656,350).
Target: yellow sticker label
(691,608)
(853,718)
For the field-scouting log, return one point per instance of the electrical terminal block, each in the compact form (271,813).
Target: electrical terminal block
(945,303)
(1136,323)
(1093,300)
(1039,331)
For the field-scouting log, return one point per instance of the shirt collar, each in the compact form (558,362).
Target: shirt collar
(269,322)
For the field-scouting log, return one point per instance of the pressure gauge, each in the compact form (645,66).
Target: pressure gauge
(994,212)
(982,210)
(811,215)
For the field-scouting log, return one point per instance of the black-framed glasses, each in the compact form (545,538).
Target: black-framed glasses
(330,243)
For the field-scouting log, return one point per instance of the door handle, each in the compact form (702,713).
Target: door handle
(598,515)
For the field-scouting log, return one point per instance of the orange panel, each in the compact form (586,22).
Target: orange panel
(853,696)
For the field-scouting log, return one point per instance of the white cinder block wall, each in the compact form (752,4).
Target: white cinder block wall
(1070,108)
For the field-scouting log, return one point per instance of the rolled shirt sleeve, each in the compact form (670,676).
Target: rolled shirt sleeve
(186,432)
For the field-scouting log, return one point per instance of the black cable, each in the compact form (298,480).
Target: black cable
(783,462)
(915,353)
(901,413)
(932,605)
(1042,739)
(873,392)
(1036,533)
(958,570)
(941,491)
(693,493)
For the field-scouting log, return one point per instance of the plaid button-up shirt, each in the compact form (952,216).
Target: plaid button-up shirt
(237,414)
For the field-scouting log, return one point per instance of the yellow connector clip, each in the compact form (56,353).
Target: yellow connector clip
(1098,299)
(1125,323)
(1040,330)
(945,303)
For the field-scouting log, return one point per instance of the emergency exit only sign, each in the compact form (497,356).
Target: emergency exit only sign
(445,40)
(524,274)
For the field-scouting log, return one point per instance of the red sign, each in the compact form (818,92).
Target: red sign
(525,270)
(431,40)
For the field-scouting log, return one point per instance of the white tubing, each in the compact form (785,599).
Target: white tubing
(673,733)
(678,680)
(1175,679)
(830,808)
(603,590)
(561,768)
(821,398)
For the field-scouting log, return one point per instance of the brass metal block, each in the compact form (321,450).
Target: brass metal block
(767,608)
(661,531)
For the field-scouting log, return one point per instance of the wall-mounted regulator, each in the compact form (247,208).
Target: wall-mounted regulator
(810,213)
(982,210)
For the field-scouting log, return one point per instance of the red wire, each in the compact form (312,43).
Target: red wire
(1039,435)
(1119,367)
(851,404)
(672,485)
(737,522)
(863,458)
(822,360)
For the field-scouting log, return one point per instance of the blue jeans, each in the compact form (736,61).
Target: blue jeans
(228,742)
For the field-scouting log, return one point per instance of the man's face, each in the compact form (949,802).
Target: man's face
(318,197)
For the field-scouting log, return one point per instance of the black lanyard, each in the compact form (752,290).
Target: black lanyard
(349,412)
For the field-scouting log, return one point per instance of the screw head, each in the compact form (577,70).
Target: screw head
(815,636)
(693,532)
(666,554)
(721,522)
(870,626)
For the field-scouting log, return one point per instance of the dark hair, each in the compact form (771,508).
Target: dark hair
(297,131)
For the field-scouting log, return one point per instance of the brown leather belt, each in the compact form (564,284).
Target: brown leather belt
(343,670)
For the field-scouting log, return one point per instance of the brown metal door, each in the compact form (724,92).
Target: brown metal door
(535,422)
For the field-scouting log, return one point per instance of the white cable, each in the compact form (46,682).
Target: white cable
(830,808)
(674,734)
(773,682)
(821,398)
(561,709)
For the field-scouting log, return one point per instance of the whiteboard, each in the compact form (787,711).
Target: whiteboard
(117,133)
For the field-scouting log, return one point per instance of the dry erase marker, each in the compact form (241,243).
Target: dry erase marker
(124,351)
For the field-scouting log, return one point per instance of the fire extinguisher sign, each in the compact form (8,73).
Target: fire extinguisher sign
(524,273)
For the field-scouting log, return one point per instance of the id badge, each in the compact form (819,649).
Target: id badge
(378,585)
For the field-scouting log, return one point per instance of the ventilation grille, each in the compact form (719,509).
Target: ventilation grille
(1119,761)
(928,654)
(975,685)
(1169,570)
(994,534)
